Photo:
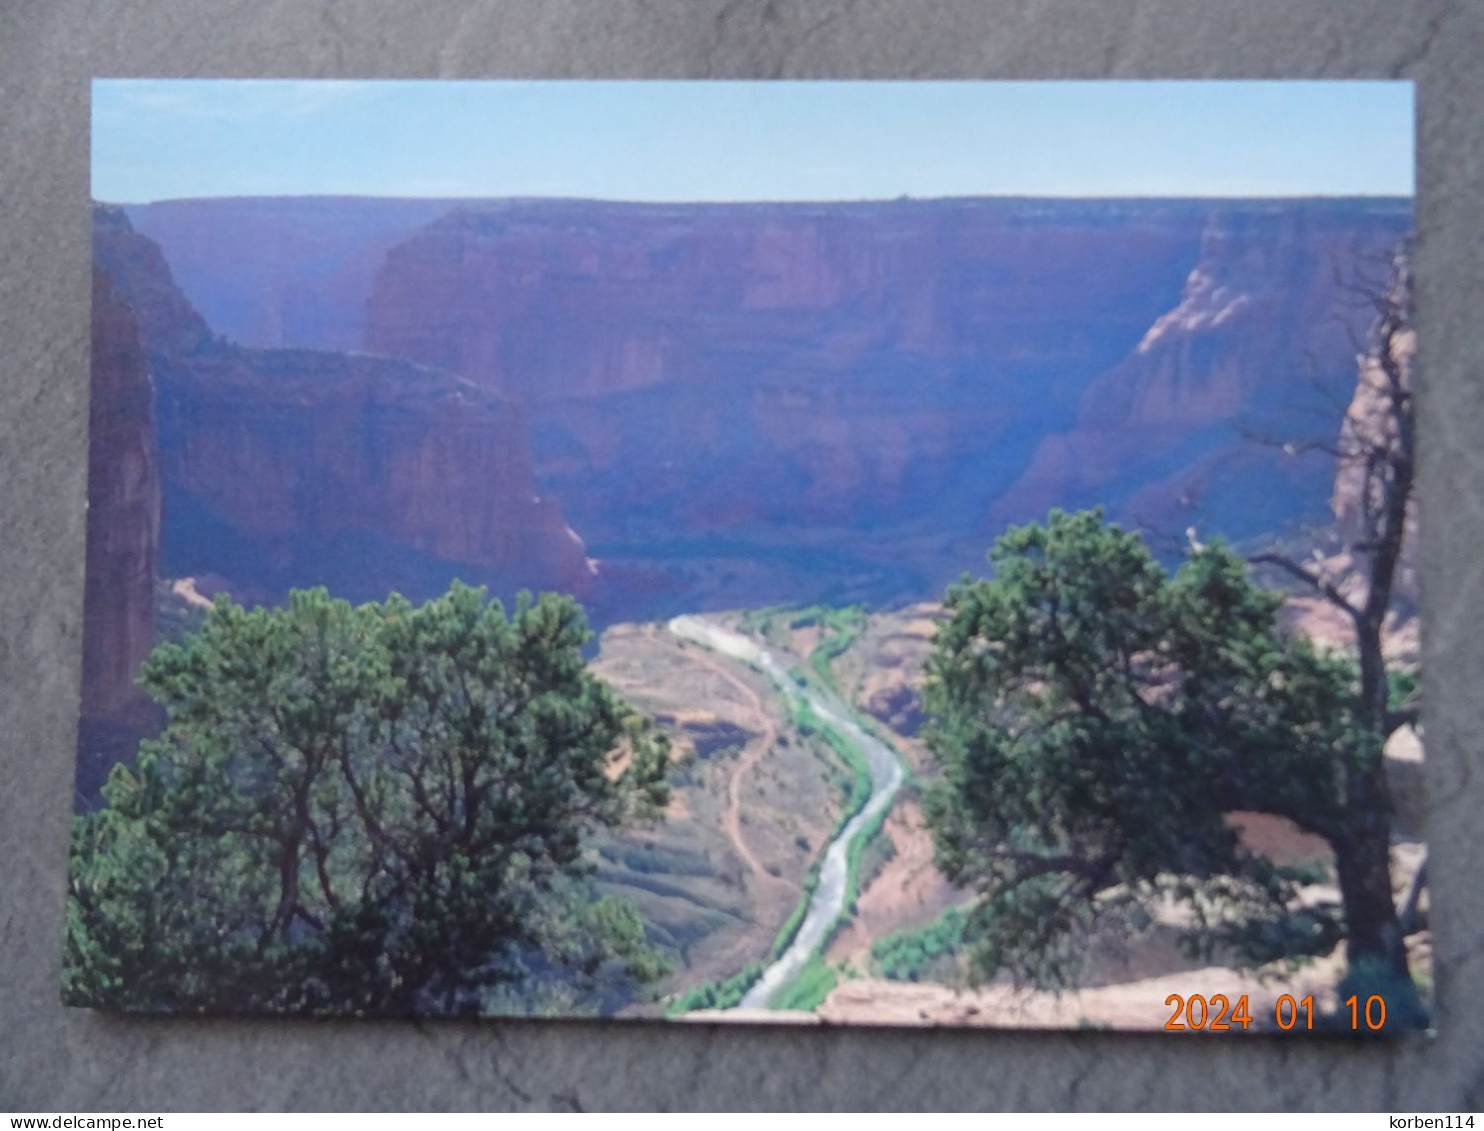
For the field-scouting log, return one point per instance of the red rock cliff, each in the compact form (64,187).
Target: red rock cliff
(892,381)
(298,451)
(123,511)
(1258,346)
(299,467)
(549,300)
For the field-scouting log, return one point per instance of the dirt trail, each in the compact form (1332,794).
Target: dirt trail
(747,760)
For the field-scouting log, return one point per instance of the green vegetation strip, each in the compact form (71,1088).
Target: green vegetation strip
(728,994)
(910,955)
(810,980)
(811,987)
(795,918)
(853,854)
(840,629)
(710,995)
(807,722)
(817,978)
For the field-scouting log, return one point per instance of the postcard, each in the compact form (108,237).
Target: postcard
(921,554)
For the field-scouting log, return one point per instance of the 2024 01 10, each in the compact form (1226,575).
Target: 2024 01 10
(1219,1013)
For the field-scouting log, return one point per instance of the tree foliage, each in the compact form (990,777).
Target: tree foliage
(918,954)
(1098,718)
(713,995)
(365,809)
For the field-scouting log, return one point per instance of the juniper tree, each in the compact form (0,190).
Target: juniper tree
(380,808)
(1098,718)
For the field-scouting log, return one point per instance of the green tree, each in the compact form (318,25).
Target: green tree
(370,809)
(1097,718)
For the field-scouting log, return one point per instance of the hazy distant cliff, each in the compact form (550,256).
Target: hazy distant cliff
(906,375)
(293,467)
(281,271)
(1260,341)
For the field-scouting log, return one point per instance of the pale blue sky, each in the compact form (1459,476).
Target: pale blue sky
(163,139)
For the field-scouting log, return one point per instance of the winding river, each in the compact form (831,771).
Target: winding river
(828,901)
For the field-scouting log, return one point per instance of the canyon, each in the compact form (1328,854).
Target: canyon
(739,404)
(268,469)
(668,408)
(297,467)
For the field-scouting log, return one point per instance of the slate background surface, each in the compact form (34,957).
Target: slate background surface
(59,1060)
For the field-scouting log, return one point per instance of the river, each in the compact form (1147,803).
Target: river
(828,901)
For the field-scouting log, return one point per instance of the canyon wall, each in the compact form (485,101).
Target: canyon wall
(123,539)
(123,506)
(1258,352)
(891,383)
(741,404)
(295,468)
(300,467)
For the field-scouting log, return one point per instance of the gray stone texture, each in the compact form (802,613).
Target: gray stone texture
(56,1059)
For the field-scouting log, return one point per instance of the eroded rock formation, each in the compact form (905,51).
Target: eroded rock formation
(1259,347)
(297,467)
(744,404)
(123,538)
(887,384)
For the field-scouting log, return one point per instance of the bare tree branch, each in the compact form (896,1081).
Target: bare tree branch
(1288,565)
